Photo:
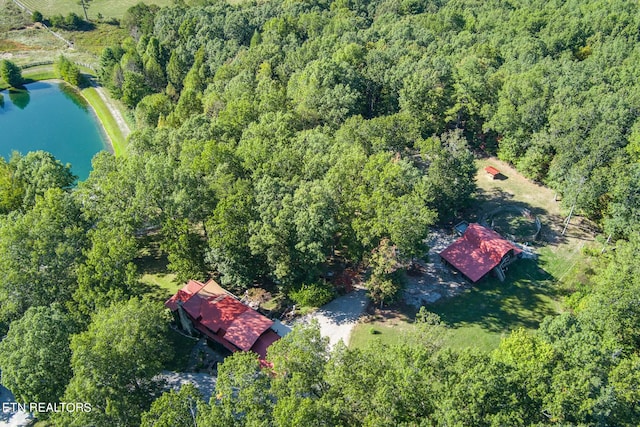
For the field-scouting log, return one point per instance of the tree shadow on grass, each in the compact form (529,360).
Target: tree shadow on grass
(523,300)
(153,262)
(153,292)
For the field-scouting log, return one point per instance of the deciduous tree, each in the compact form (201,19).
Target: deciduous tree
(115,364)
(35,355)
(11,73)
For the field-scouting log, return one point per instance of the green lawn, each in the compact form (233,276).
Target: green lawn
(32,75)
(379,330)
(162,285)
(110,125)
(480,316)
(108,8)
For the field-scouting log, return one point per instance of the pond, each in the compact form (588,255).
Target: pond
(52,117)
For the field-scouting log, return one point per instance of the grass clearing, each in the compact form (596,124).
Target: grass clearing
(385,327)
(107,8)
(481,316)
(155,277)
(96,40)
(11,16)
(165,283)
(12,46)
(109,123)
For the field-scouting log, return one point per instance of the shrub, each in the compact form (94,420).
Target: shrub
(57,21)
(73,22)
(36,16)
(313,295)
(68,71)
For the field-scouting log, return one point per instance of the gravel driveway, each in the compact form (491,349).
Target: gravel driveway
(205,383)
(338,318)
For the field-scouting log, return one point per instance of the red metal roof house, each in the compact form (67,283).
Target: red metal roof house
(479,251)
(217,314)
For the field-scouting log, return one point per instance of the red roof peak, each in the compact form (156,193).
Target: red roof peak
(217,312)
(478,251)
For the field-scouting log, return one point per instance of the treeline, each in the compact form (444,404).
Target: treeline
(549,86)
(291,133)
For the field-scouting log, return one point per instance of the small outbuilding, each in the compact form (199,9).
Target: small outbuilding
(479,251)
(218,315)
(492,171)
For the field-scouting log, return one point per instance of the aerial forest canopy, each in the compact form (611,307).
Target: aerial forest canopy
(292,131)
(277,139)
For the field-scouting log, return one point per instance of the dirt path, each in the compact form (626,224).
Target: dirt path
(115,112)
(338,318)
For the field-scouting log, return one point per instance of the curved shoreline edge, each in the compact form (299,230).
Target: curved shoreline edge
(115,137)
(115,134)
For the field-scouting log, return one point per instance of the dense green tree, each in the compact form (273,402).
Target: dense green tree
(139,19)
(324,93)
(392,204)
(175,408)
(68,71)
(533,361)
(228,230)
(35,355)
(185,250)
(134,88)
(450,178)
(151,108)
(39,171)
(611,308)
(108,274)
(385,281)
(11,188)
(426,95)
(115,364)
(299,361)
(11,73)
(474,390)
(40,252)
(241,396)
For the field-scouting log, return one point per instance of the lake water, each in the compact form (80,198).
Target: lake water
(50,116)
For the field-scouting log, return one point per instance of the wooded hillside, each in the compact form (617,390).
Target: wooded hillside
(280,141)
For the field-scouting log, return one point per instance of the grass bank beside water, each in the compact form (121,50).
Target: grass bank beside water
(118,141)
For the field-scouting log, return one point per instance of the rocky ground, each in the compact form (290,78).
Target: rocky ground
(431,281)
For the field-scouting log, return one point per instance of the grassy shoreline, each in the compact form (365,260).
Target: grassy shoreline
(109,124)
